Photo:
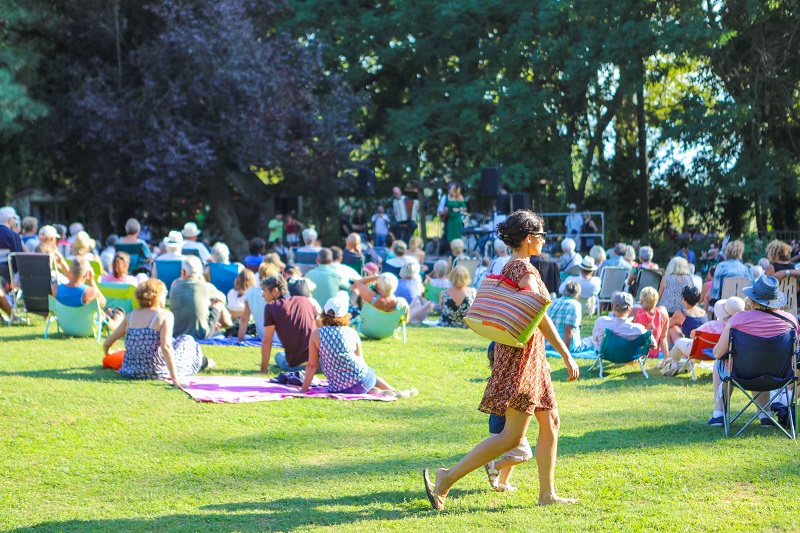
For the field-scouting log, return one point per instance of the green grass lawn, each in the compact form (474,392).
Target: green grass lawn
(82,449)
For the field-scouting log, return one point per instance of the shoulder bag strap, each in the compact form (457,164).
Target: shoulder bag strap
(773,313)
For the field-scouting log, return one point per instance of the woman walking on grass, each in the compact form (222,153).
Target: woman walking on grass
(519,387)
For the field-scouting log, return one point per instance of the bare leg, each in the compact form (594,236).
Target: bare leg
(381,384)
(546,449)
(4,305)
(496,445)
(716,380)
(505,473)
(674,333)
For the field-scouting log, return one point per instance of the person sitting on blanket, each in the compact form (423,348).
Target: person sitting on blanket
(456,300)
(198,306)
(235,296)
(337,349)
(254,302)
(293,318)
(81,289)
(151,352)
(618,322)
(566,314)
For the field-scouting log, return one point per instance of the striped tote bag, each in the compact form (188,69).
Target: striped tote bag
(505,313)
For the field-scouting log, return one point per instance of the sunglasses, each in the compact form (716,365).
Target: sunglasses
(540,234)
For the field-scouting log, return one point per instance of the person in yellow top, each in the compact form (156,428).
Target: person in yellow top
(276,228)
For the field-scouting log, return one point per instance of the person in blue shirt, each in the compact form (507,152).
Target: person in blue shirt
(687,254)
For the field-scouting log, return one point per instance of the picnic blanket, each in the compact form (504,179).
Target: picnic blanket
(240,389)
(591,353)
(233,341)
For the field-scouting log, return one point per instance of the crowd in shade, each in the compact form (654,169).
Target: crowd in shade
(305,300)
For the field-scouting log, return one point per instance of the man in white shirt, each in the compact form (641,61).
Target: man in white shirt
(569,258)
(497,264)
(573,223)
(404,212)
(618,321)
(190,232)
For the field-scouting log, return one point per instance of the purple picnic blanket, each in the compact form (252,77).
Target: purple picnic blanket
(233,341)
(239,389)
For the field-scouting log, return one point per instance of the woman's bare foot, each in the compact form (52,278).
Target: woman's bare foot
(440,474)
(550,500)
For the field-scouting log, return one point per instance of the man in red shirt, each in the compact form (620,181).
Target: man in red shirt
(293,318)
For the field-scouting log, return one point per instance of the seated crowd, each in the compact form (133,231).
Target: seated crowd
(307,297)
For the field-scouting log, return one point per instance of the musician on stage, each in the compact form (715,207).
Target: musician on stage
(450,211)
(404,212)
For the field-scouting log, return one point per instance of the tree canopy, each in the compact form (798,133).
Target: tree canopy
(650,110)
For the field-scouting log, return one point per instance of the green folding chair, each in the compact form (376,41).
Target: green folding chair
(619,350)
(376,324)
(119,295)
(84,321)
(433,293)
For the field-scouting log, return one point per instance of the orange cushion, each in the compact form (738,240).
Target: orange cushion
(114,359)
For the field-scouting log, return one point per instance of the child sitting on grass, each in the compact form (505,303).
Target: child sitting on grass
(499,471)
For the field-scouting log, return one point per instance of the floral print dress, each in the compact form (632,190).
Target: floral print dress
(520,376)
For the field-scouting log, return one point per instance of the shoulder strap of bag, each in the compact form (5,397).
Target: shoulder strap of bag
(773,313)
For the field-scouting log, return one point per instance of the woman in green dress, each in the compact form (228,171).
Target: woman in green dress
(454,207)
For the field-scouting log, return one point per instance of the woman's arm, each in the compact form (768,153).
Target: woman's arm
(243,321)
(723,345)
(313,360)
(165,336)
(677,319)
(361,286)
(550,333)
(770,270)
(115,336)
(662,342)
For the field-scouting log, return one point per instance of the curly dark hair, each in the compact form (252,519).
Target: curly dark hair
(691,294)
(519,225)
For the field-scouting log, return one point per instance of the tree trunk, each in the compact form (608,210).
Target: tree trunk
(225,217)
(644,182)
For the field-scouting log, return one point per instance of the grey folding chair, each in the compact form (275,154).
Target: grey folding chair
(612,279)
(34,282)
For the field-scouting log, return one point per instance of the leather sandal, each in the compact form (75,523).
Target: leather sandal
(437,501)
(492,473)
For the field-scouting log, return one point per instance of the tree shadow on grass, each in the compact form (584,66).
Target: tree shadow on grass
(33,336)
(682,433)
(83,373)
(283,514)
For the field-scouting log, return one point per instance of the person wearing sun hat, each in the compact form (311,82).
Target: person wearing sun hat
(190,233)
(336,348)
(590,284)
(762,317)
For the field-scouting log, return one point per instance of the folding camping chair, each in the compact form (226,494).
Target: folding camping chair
(386,267)
(612,279)
(84,321)
(761,365)
(619,350)
(138,253)
(168,270)
(470,264)
(702,341)
(733,287)
(119,295)
(223,276)
(376,324)
(788,286)
(306,261)
(35,278)
(647,277)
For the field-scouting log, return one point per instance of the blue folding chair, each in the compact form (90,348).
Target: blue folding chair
(761,365)
(619,350)
(168,270)
(223,276)
(138,253)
